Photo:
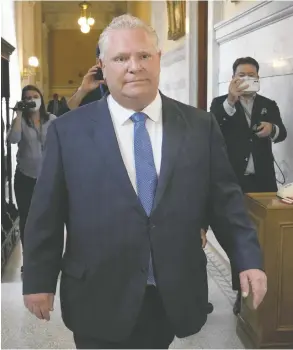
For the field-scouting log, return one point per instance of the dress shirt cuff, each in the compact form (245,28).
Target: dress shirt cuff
(229,109)
(276,133)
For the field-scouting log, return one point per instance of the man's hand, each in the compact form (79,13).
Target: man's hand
(235,90)
(265,129)
(257,279)
(40,304)
(89,83)
(203,235)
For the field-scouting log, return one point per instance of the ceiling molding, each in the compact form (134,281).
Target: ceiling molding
(6,49)
(259,16)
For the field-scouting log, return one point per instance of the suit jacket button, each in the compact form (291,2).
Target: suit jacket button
(224,119)
(246,159)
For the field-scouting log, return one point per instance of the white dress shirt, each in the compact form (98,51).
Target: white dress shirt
(247,105)
(124,129)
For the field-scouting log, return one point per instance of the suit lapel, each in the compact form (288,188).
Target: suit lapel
(106,142)
(242,118)
(173,132)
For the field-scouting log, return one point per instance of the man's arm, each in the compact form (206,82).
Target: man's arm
(89,83)
(228,209)
(220,112)
(76,99)
(275,119)
(229,216)
(44,232)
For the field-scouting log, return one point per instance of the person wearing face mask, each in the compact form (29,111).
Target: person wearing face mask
(28,130)
(250,123)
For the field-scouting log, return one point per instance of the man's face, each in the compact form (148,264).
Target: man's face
(246,70)
(131,66)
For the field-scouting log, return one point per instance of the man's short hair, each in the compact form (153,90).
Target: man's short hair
(245,60)
(97,51)
(125,21)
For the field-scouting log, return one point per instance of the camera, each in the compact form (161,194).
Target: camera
(253,84)
(24,105)
(255,127)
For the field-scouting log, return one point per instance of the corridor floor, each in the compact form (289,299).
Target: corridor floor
(20,330)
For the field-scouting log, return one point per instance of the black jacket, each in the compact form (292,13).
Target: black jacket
(241,141)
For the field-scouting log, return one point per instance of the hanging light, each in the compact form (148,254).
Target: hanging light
(33,61)
(81,21)
(90,21)
(85,28)
(85,20)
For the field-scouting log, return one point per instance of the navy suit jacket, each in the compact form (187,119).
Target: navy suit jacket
(84,184)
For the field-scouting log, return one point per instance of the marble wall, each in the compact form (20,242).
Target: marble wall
(263,32)
(179,58)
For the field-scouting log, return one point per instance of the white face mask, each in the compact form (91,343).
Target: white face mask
(38,103)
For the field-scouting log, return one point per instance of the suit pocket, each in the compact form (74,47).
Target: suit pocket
(73,268)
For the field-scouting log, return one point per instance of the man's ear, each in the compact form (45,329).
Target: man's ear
(100,63)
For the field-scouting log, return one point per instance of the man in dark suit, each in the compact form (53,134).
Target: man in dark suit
(250,123)
(131,176)
(54,105)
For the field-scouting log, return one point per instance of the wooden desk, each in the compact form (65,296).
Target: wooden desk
(271,326)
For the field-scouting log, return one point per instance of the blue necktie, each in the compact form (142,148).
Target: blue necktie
(146,175)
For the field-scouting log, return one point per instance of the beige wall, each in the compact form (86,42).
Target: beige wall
(140,9)
(231,9)
(28,14)
(159,21)
(71,54)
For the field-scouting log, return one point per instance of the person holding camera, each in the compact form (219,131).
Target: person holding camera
(250,123)
(92,87)
(28,130)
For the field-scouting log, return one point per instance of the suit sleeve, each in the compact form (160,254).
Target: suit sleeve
(228,216)
(275,118)
(218,110)
(44,231)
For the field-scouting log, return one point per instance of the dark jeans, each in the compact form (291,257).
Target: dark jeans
(152,329)
(24,188)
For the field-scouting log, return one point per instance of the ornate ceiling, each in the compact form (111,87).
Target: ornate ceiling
(64,14)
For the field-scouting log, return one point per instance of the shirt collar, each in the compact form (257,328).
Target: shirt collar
(248,100)
(122,115)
